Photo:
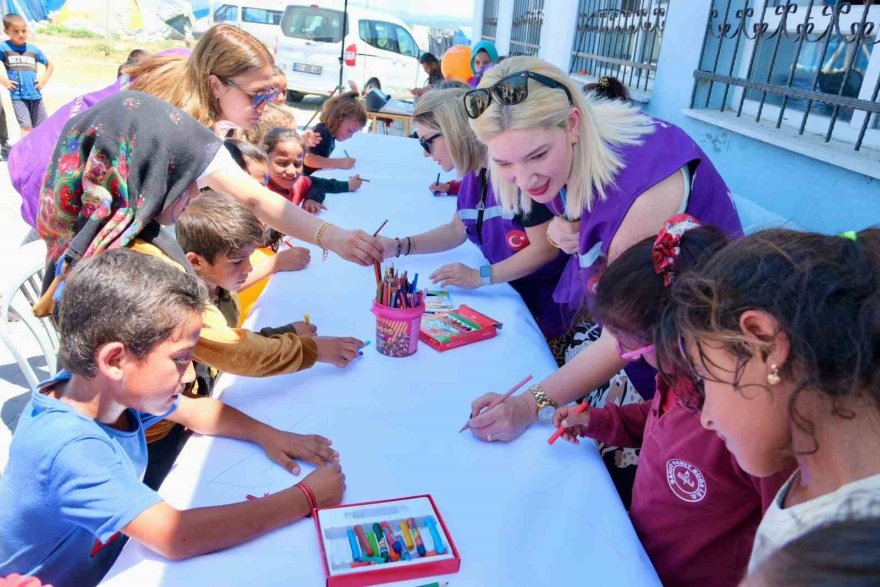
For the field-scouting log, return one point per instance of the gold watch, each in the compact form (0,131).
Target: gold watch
(546,406)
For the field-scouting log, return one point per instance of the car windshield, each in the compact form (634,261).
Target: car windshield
(314,24)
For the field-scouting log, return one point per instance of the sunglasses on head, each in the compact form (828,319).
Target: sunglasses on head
(510,91)
(257,98)
(426,143)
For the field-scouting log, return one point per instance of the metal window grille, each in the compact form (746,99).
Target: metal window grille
(800,62)
(525,35)
(619,38)
(490,20)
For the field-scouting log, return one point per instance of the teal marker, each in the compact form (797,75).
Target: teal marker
(366,344)
(435,536)
(353,543)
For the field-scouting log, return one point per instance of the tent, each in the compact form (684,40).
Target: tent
(145,18)
(123,16)
(31,10)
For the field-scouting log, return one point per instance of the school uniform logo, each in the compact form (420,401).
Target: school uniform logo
(685,480)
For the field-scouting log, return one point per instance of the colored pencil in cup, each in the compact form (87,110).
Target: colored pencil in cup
(499,400)
(376,267)
(561,430)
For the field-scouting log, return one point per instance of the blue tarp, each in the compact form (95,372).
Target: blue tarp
(35,10)
(31,10)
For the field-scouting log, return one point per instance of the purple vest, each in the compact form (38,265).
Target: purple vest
(661,154)
(29,157)
(499,238)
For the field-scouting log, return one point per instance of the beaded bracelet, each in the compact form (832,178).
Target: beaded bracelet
(399,244)
(310,496)
(320,233)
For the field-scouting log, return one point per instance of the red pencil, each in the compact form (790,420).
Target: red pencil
(376,267)
(499,400)
(559,431)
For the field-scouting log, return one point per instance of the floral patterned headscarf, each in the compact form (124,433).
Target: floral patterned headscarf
(115,168)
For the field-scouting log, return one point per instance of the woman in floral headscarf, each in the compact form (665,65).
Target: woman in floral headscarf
(130,164)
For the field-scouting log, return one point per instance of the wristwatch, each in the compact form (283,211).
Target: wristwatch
(486,274)
(546,406)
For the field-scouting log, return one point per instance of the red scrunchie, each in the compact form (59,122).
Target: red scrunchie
(666,251)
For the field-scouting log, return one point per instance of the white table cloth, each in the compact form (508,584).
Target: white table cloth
(522,513)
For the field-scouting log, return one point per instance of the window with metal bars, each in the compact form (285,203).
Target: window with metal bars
(807,64)
(619,38)
(525,34)
(490,20)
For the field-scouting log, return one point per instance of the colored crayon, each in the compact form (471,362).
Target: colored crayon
(365,544)
(417,537)
(435,536)
(353,543)
(374,543)
(407,537)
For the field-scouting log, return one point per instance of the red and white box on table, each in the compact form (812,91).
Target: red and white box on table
(333,524)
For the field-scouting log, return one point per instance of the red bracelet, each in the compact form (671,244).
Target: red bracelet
(310,496)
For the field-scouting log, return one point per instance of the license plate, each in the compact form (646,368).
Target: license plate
(306,68)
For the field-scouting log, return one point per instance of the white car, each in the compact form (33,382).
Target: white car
(258,17)
(379,50)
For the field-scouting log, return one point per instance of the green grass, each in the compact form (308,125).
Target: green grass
(60,29)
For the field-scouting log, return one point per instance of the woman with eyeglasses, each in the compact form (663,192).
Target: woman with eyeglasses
(514,244)
(226,83)
(611,175)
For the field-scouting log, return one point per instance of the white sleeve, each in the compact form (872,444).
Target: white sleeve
(221,161)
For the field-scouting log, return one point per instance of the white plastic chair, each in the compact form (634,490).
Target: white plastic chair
(21,290)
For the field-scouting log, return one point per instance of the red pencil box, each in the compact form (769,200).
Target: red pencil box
(463,326)
(338,553)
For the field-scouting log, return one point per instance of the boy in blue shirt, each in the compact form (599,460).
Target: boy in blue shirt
(20,59)
(128,326)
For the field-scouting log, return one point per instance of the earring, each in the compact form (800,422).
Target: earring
(773,376)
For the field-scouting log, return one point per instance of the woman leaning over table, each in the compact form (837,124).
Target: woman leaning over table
(611,175)
(515,245)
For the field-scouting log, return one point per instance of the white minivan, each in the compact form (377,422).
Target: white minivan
(380,50)
(258,17)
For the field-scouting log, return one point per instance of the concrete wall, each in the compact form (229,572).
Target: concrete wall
(809,192)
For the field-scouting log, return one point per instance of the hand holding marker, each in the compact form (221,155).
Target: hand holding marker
(561,430)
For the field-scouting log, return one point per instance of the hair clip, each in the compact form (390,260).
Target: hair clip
(666,250)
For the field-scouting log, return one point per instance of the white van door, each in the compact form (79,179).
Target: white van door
(383,59)
(409,53)
(226,12)
(309,48)
(261,23)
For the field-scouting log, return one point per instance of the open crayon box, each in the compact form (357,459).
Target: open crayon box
(420,542)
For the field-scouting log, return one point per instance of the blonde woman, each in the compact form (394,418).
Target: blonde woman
(611,175)
(515,245)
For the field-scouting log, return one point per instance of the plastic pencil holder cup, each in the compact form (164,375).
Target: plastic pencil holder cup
(397,329)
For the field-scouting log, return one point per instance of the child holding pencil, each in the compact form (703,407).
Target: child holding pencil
(286,150)
(129,324)
(687,479)
(341,117)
